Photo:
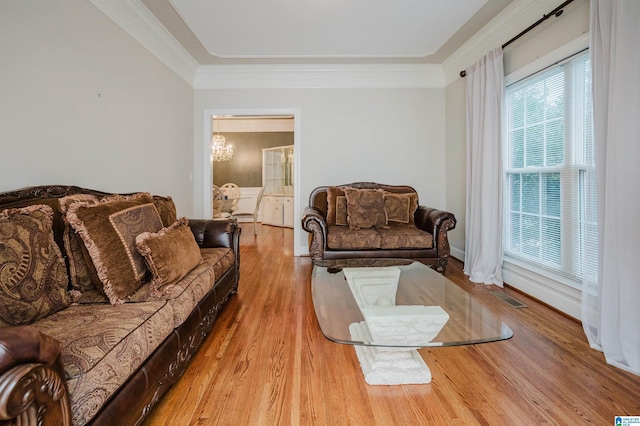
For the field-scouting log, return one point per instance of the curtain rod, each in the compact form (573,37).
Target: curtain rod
(555,12)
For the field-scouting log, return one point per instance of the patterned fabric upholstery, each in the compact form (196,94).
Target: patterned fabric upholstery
(32,271)
(343,237)
(404,237)
(221,258)
(393,237)
(103,345)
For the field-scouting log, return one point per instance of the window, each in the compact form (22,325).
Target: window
(549,151)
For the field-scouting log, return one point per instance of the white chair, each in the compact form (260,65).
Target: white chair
(218,202)
(253,214)
(232,191)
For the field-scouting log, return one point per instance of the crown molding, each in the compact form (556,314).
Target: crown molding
(518,15)
(319,76)
(136,19)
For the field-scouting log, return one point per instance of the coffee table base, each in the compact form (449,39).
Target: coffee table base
(388,365)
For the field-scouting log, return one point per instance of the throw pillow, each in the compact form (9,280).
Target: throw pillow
(401,208)
(108,227)
(170,254)
(80,271)
(365,208)
(333,192)
(33,276)
(397,207)
(166,208)
(341,210)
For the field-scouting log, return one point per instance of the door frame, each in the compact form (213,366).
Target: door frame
(209,114)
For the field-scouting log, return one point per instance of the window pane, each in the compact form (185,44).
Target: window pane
(555,143)
(555,95)
(551,241)
(515,191)
(535,101)
(514,241)
(531,235)
(551,194)
(517,149)
(516,111)
(531,192)
(535,146)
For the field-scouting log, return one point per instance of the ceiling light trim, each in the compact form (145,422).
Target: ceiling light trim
(319,76)
(136,19)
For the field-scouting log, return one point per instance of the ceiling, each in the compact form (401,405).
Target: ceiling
(323,31)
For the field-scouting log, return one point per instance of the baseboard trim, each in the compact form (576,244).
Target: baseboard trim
(559,296)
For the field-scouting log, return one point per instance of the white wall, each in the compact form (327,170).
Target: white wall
(84,104)
(393,136)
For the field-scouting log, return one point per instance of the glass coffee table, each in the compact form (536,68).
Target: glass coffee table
(388,308)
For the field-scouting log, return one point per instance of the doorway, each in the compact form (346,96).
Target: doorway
(247,123)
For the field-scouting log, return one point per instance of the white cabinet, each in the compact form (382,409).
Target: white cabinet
(287,211)
(277,178)
(277,210)
(277,170)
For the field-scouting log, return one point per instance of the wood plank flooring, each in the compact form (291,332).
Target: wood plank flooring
(267,363)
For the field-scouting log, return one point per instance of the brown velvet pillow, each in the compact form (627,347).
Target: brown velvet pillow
(80,272)
(365,208)
(108,227)
(166,208)
(333,192)
(33,276)
(170,254)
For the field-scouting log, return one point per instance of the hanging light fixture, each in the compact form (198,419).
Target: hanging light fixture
(220,150)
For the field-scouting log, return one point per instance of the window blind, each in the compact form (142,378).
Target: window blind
(549,152)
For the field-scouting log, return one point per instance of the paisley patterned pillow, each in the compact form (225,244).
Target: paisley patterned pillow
(33,276)
(365,208)
(400,208)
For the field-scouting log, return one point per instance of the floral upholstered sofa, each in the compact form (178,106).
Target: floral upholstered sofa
(104,299)
(371,220)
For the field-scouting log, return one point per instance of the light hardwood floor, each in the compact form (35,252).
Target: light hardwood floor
(267,363)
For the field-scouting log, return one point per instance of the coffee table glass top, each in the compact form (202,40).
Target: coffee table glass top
(398,303)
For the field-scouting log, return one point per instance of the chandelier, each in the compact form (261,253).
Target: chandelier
(220,150)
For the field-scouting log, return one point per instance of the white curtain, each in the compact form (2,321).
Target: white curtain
(611,294)
(483,241)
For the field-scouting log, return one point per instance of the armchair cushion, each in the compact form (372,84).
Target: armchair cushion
(401,236)
(345,238)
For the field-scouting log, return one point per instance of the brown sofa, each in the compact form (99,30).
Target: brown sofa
(92,360)
(341,225)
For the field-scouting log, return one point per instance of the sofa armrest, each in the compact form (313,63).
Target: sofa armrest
(438,223)
(33,388)
(314,222)
(216,233)
(210,233)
